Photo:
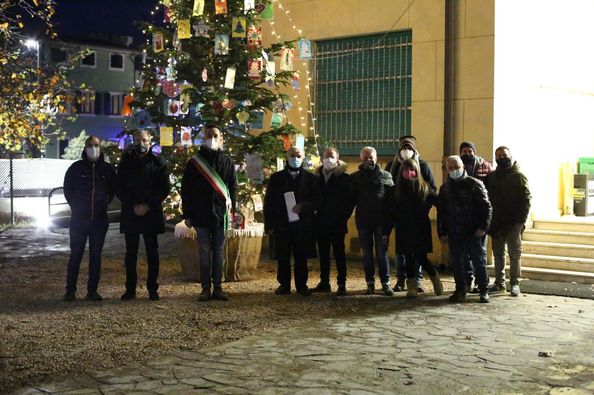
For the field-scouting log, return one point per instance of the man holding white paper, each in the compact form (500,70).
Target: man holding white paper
(291,200)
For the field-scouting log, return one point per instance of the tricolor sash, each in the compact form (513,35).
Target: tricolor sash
(213,178)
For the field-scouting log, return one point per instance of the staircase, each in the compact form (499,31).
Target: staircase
(559,250)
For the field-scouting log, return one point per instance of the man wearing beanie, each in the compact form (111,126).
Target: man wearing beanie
(479,168)
(408,150)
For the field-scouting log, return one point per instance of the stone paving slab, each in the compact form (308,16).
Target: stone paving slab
(424,346)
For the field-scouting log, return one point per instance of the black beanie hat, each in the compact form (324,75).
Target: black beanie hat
(467,144)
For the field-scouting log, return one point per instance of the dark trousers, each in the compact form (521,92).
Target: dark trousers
(476,249)
(401,270)
(79,232)
(468,269)
(336,242)
(370,239)
(152,260)
(210,250)
(288,240)
(414,262)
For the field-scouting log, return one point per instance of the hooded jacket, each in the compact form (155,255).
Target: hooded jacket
(89,188)
(510,197)
(337,202)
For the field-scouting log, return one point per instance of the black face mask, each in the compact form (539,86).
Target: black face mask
(467,158)
(504,162)
(141,149)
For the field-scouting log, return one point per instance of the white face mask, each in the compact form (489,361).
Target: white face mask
(456,174)
(406,153)
(211,143)
(93,153)
(330,163)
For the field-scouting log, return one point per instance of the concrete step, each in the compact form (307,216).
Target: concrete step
(571,224)
(534,273)
(559,236)
(558,262)
(558,249)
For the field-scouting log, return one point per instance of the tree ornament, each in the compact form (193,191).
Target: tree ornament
(220,7)
(228,104)
(204,75)
(201,29)
(239,27)
(243,117)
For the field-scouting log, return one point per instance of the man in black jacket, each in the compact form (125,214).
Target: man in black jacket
(408,150)
(88,189)
(463,218)
(142,185)
(291,200)
(208,197)
(331,220)
(371,185)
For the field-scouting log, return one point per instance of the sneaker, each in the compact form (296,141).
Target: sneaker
(304,292)
(218,294)
(341,291)
(69,297)
(204,295)
(154,295)
(370,289)
(484,297)
(93,296)
(515,290)
(322,287)
(128,296)
(399,287)
(497,287)
(282,290)
(387,289)
(457,297)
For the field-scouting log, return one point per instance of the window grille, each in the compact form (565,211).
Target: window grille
(363,91)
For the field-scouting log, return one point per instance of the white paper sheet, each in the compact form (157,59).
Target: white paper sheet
(291,202)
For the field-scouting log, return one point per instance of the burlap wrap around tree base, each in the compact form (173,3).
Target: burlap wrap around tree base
(240,255)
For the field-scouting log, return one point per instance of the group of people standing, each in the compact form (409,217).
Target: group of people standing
(306,215)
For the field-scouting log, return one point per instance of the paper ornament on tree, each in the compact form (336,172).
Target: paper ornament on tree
(248,5)
(228,104)
(270,73)
(304,49)
(268,12)
(158,42)
(185,99)
(243,117)
(220,7)
(295,81)
(217,106)
(257,119)
(170,70)
(204,75)
(287,142)
(173,107)
(254,37)
(166,136)
(201,29)
(186,136)
(239,27)
(198,8)
(230,78)
(287,55)
(254,167)
(255,69)
(169,14)
(171,88)
(142,119)
(221,44)
(259,7)
(276,120)
(183,29)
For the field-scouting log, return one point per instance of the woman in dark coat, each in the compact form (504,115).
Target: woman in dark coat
(411,201)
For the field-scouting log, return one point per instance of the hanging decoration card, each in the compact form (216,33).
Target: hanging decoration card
(287,55)
(257,119)
(255,69)
(185,99)
(158,42)
(201,29)
(270,73)
(276,120)
(254,167)
(305,49)
(295,81)
(221,44)
(230,78)
(198,8)
(166,136)
(183,29)
(220,7)
(268,12)
(248,5)
(254,37)
(239,27)
(186,136)
(173,107)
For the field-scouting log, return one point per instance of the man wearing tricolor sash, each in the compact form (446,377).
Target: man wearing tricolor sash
(208,199)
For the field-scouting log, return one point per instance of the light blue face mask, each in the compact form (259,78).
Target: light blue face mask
(456,174)
(295,162)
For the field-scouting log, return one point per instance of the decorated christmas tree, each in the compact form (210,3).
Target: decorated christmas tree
(206,65)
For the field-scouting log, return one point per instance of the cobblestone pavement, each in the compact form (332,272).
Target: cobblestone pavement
(527,345)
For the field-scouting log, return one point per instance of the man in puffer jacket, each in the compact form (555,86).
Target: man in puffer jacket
(510,196)
(88,189)
(463,218)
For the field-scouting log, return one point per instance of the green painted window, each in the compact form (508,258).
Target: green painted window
(363,91)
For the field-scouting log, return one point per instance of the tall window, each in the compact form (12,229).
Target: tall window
(116,61)
(363,91)
(86,102)
(116,101)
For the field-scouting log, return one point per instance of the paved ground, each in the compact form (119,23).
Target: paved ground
(527,345)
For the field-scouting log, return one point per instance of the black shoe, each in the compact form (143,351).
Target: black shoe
(128,296)
(341,291)
(304,292)
(218,294)
(69,297)
(387,290)
(282,290)
(370,289)
(93,296)
(204,295)
(475,290)
(497,287)
(420,289)
(484,297)
(322,287)
(154,295)
(457,296)
(399,287)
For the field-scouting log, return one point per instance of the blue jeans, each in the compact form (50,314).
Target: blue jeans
(476,249)
(79,232)
(370,238)
(210,251)
(401,270)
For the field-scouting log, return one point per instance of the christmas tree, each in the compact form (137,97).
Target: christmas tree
(206,65)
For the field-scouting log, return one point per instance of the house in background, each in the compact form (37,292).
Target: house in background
(106,75)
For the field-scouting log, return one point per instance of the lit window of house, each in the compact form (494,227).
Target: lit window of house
(86,102)
(116,101)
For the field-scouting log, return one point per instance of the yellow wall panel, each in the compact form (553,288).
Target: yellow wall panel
(478,126)
(334,18)
(427,127)
(480,18)
(382,15)
(423,71)
(474,68)
(427,18)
